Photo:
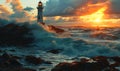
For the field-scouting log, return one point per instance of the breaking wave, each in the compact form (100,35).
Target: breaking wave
(24,39)
(78,43)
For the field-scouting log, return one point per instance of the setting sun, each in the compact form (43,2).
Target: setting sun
(95,18)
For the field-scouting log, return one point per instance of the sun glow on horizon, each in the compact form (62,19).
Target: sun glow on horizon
(96,18)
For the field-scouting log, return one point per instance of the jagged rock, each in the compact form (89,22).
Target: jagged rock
(1,51)
(12,50)
(34,60)
(41,69)
(102,59)
(47,62)
(16,69)
(57,30)
(117,59)
(117,62)
(55,51)
(10,63)
(100,63)
(80,66)
(14,35)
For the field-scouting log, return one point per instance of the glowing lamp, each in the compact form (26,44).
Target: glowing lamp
(40,3)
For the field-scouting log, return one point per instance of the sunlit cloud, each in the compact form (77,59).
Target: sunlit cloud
(8,1)
(16,12)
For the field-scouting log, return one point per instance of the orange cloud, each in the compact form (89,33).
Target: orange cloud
(5,12)
(17,5)
(16,12)
(91,6)
(8,1)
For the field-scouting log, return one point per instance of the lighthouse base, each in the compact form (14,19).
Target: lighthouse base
(51,28)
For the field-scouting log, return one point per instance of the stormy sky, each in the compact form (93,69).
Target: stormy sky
(68,7)
(54,10)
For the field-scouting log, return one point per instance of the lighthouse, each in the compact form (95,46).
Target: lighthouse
(40,12)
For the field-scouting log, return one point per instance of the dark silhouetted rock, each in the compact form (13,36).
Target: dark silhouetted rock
(15,35)
(117,59)
(16,69)
(1,51)
(34,60)
(102,59)
(12,50)
(98,63)
(57,30)
(116,62)
(42,69)
(55,51)
(47,62)
(10,63)
(80,66)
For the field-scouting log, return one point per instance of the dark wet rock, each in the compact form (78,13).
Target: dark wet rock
(16,69)
(15,35)
(84,60)
(56,29)
(12,50)
(42,23)
(55,51)
(47,62)
(17,57)
(117,59)
(98,63)
(62,67)
(6,55)
(102,59)
(11,63)
(1,51)
(79,66)
(116,62)
(34,60)
(42,68)
(112,69)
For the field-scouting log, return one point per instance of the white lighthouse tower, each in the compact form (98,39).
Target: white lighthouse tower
(40,12)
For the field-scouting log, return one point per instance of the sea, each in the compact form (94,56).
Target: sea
(73,44)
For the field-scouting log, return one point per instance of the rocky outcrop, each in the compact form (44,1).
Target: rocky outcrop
(11,63)
(54,51)
(36,60)
(7,60)
(57,30)
(99,63)
(15,35)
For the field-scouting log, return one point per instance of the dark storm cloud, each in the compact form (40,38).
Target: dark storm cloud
(115,6)
(28,8)
(61,7)
(3,21)
(68,7)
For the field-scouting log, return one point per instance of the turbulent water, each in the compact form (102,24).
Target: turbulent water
(79,42)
